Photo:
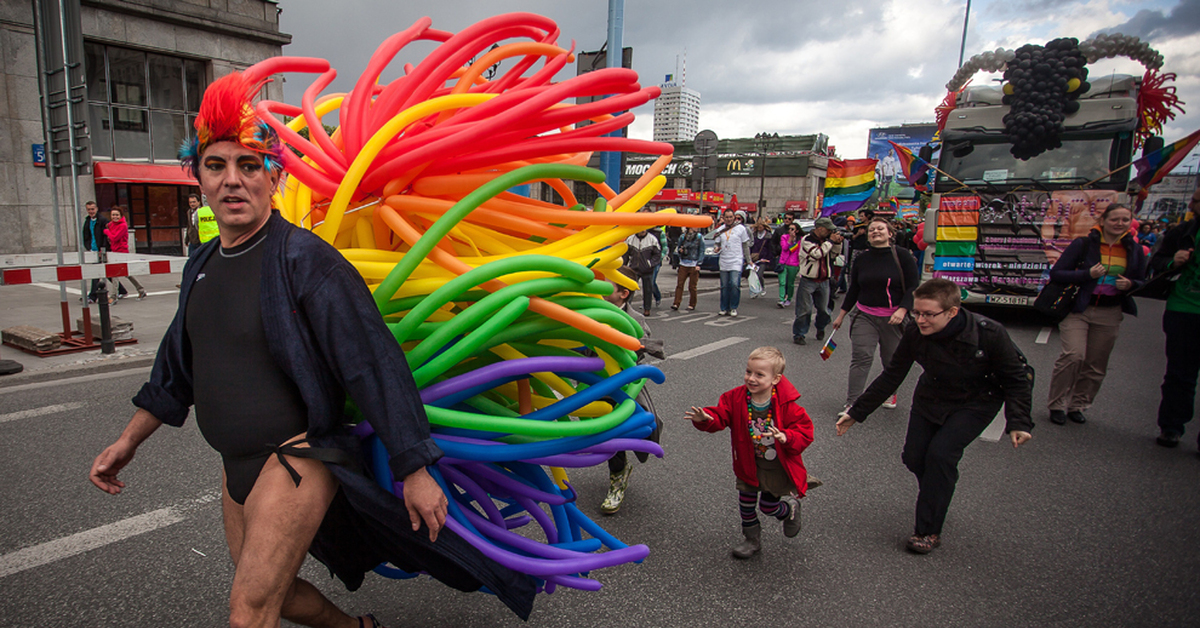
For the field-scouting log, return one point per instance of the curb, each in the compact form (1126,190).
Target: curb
(114,364)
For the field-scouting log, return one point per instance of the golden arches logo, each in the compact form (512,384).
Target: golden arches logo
(734,164)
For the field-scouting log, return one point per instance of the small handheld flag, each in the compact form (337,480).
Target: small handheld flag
(828,348)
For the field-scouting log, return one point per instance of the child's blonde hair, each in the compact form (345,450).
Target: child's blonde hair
(772,355)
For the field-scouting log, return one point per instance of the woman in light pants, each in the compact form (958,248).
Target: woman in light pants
(878,298)
(1107,264)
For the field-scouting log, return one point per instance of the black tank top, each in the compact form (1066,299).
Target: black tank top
(245,404)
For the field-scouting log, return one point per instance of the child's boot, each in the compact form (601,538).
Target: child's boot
(617,483)
(791,523)
(751,545)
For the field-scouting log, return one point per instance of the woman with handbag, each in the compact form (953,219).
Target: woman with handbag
(879,295)
(789,263)
(1106,265)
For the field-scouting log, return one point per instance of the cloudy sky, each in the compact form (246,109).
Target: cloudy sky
(782,66)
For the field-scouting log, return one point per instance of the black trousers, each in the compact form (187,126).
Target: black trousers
(1183,365)
(932,452)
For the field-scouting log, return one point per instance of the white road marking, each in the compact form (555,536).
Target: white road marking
(1043,336)
(708,348)
(76,380)
(75,544)
(76,292)
(85,541)
(54,409)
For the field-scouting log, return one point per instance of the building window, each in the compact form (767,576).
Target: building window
(141,105)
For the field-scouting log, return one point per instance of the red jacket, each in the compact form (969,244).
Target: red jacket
(118,236)
(790,418)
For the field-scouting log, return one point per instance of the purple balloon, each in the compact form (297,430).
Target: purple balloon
(508,368)
(540,567)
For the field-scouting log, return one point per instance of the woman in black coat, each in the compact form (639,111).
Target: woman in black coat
(1107,264)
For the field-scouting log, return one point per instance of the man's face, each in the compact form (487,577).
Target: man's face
(193,202)
(1195,204)
(821,232)
(237,185)
(728,218)
(91,210)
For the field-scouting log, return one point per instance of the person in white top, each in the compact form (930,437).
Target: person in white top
(733,244)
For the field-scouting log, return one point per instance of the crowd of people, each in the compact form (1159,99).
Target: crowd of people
(971,367)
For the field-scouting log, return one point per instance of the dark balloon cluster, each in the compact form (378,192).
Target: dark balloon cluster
(1042,85)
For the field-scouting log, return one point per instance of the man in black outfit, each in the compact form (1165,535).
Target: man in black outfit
(972,368)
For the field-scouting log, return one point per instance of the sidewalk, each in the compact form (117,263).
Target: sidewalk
(37,305)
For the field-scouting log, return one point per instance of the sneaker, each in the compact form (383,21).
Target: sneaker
(733,312)
(1168,439)
(617,483)
(691,307)
(799,340)
(820,334)
(923,544)
(1058,417)
(791,523)
(723,313)
(890,403)
(787,302)
(1076,417)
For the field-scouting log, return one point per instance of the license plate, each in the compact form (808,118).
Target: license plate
(1006,299)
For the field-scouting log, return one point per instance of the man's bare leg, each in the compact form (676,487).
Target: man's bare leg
(268,538)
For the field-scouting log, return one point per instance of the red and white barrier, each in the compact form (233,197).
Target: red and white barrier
(74,272)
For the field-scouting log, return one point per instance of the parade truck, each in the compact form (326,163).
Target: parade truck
(1020,176)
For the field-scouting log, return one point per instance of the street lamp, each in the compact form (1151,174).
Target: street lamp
(764,143)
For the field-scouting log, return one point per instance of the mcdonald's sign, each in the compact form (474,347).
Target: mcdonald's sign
(739,167)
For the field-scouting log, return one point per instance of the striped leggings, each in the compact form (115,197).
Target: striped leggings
(769,504)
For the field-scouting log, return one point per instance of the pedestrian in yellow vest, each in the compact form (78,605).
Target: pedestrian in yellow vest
(207,222)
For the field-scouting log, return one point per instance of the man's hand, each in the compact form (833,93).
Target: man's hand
(844,423)
(425,502)
(1182,256)
(697,415)
(110,462)
(1019,438)
(777,434)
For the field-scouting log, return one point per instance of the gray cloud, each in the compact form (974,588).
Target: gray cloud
(1183,19)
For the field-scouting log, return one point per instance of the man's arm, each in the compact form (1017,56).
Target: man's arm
(886,384)
(114,458)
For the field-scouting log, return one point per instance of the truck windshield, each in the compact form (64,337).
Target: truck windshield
(980,163)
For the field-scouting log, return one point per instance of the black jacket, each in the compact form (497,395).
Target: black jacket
(977,367)
(1182,236)
(325,332)
(1076,261)
(880,280)
(86,233)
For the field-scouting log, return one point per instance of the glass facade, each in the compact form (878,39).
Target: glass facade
(140,103)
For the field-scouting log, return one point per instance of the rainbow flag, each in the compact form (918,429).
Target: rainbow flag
(829,347)
(848,184)
(1153,167)
(912,166)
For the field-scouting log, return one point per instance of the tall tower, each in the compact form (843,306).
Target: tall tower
(677,110)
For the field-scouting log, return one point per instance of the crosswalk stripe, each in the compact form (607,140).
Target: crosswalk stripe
(54,409)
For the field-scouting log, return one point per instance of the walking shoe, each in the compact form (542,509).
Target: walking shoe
(890,403)
(645,312)
(733,312)
(1058,417)
(751,545)
(691,307)
(779,305)
(791,523)
(923,544)
(675,307)
(1076,417)
(1168,439)
(820,334)
(799,340)
(617,483)
(787,302)
(723,313)
(141,295)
